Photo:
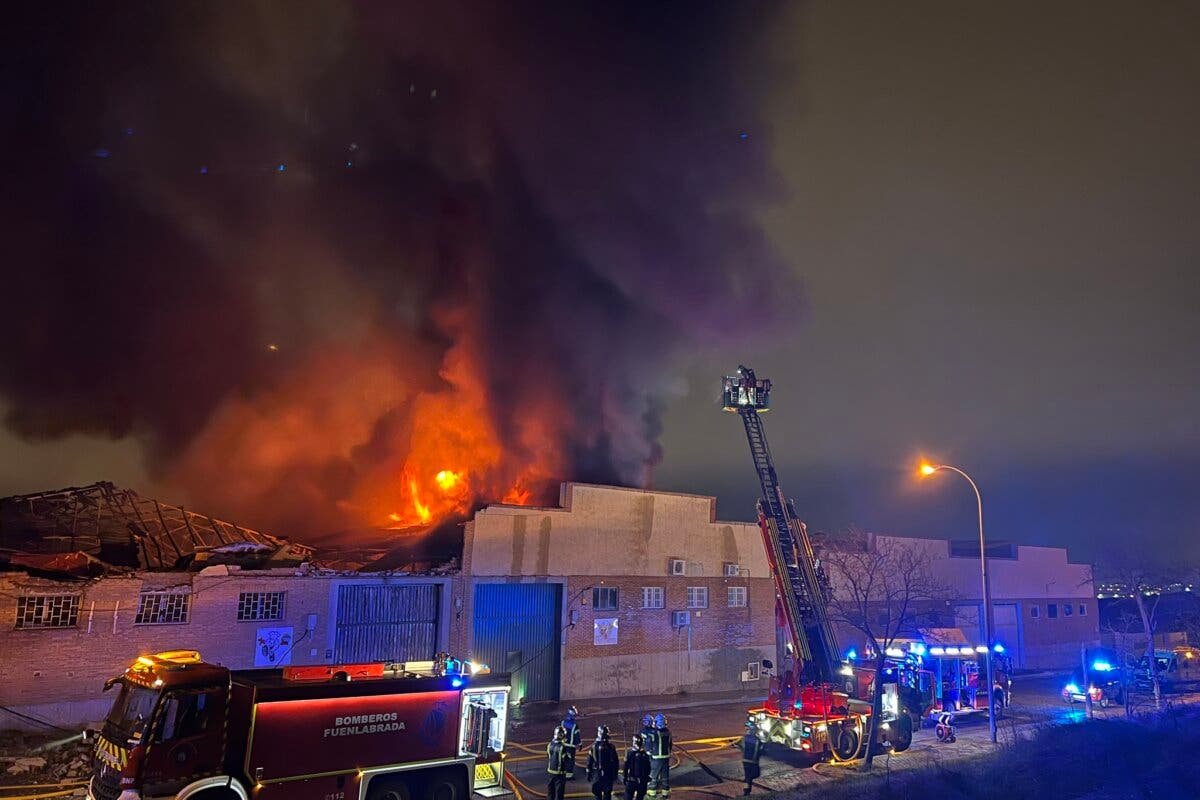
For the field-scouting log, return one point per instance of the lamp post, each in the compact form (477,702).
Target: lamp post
(927,470)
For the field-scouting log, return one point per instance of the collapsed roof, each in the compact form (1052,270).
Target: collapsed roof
(120,528)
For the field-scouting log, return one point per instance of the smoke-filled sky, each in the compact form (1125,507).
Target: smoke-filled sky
(996,209)
(323,265)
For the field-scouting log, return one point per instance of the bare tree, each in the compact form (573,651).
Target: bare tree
(885,589)
(1126,629)
(1141,582)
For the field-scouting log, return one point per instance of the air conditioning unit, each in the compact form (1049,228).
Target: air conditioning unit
(733,570)
(677,566)
(681,619)
(753,670)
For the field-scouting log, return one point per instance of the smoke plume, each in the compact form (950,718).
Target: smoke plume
(370,264)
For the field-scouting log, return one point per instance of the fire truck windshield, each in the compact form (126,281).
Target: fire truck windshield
(132,709)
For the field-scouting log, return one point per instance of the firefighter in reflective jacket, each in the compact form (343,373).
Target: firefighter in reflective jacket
(752,748)
(556,765)
(602,765)
(637,769)
(574,738)
(660,759)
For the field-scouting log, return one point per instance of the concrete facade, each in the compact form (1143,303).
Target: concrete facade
(627,539)
(57,674)
(1044,605)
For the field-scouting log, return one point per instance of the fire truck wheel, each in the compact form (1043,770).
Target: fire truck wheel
(902,738)
(845,746)
(446,784)
(389,789)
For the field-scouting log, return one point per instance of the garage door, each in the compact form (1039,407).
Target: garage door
(517,630)
(386,623)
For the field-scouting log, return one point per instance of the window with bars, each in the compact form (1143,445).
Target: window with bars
(604,598)
(48,611)
(253,606)
(163,608)
(652,597)
(737,596)
(697,597)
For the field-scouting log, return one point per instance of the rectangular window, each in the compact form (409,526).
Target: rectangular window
(1067,609)
(1082,610)
(604,598)
(652,597)
(737,596)
(260,606)
(48,611)
(1052,610)
(697,597)
(1035,611)
(163,608)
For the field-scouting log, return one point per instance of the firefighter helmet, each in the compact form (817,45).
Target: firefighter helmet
(638,739)
(660,721)
(647,720)
(602,733)
(560,733)
(572,712)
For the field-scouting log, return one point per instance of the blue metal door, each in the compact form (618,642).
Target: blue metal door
(517,630)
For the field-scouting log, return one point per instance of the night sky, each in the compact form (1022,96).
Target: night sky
(966,232)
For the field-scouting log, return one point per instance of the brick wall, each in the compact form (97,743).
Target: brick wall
(649,630)
(1053,643)
(58,673)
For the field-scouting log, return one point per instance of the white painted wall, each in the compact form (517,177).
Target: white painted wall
(605,530)
(1037,572)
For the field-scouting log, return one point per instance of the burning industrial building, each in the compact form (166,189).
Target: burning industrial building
(377,264)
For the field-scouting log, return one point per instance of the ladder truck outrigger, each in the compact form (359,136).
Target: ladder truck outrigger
(806,710)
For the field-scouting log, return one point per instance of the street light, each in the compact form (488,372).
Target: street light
(926,470)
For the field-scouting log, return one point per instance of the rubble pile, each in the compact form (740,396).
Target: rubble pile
(27,759)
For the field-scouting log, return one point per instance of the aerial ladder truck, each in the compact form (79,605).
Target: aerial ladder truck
(807,709)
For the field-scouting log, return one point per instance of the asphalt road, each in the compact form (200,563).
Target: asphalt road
(703,734)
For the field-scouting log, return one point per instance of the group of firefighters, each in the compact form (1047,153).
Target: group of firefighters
(647,768)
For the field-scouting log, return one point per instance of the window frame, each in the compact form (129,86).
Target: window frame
(73,602)
(141,614)
(742,592)
(700,589)
(1051,610)
(1035,611)
(661,597)
(604,591)
(1067,610)
(256,601)
(1083,609)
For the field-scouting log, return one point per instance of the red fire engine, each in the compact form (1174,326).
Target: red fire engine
(182,728)
(807,709)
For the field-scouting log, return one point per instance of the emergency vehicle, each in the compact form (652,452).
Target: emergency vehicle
(807,708)
(182,728)
(1178,669)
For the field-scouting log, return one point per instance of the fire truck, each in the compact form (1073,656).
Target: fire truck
(185,729)
(808,709)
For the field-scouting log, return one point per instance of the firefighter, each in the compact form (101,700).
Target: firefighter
(660,759)
(999,700)
(574,738)
(637,769)
(602,765)
(752,749)
(556,766)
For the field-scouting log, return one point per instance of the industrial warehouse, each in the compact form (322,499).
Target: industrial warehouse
(613,592)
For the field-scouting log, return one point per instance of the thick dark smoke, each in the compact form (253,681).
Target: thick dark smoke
(273,241)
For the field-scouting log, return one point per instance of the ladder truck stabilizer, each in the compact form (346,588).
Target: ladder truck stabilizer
(807,710)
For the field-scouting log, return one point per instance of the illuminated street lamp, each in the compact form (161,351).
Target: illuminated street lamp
(926,470)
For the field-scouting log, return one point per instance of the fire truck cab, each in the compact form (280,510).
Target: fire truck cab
(183,728)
